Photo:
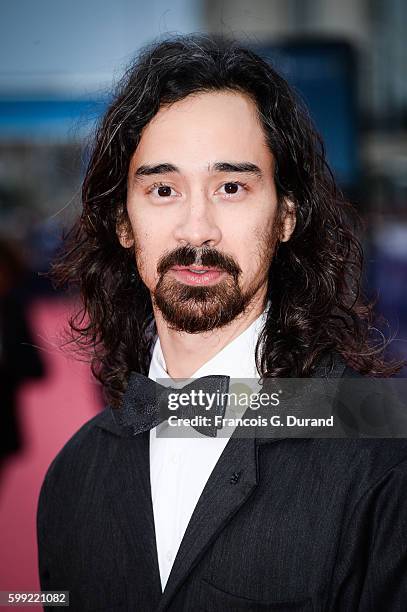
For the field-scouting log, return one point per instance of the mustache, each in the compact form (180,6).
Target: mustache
(204,256)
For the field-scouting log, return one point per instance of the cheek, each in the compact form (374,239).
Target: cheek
(147,243)
(147,252)
(256,245)
(146,255)
(150,246)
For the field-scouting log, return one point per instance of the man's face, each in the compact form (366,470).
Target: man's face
(202,205)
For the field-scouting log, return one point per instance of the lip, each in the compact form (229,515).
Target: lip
(186,275)
(196,267)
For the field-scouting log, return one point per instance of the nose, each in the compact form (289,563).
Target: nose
(197,226)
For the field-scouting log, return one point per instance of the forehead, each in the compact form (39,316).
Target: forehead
(204,128)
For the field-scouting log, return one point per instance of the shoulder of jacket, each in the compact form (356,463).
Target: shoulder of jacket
(84,448)
(360,463)
(361,460)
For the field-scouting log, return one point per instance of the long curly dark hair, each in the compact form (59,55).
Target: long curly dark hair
(314,281)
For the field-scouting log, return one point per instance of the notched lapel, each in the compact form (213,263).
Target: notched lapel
(230,484)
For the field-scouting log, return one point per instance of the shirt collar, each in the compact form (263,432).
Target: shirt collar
(236,359)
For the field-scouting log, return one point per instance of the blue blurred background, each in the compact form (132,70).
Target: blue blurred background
(346,60)
(59,60)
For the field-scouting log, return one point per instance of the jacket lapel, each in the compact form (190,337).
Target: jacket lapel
(128,493)
(221,498)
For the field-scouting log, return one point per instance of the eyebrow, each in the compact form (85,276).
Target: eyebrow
(147,170)
(165,168)
(246,167)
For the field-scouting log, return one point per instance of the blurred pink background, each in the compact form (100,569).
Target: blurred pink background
(50,411)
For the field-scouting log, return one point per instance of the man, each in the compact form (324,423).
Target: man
(213,243)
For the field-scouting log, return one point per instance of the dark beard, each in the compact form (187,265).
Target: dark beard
(200,309)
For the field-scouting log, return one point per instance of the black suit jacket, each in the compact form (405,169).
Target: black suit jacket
(311,524)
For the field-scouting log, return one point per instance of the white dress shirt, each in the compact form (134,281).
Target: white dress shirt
(180,467)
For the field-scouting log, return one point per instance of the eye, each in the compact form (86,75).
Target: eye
(161,190)
(232,188)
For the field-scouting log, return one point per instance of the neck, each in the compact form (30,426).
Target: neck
(185,353)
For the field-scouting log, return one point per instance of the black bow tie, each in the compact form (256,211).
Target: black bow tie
(145,403)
